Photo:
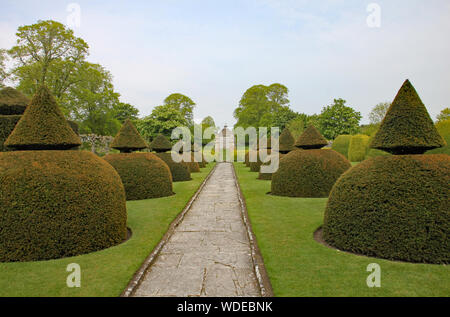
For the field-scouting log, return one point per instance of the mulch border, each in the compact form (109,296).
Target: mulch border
(140,273)
(258,263)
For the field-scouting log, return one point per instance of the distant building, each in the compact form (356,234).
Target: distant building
(225,141)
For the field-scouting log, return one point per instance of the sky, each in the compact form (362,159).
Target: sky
(213,51)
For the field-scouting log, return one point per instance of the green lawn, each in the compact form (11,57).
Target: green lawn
(299,266)
(107,272)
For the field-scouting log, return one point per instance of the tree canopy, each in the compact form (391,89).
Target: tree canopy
(182,103)
(378,112)
(337,119)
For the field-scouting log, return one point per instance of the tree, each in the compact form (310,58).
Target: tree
(163,119)
(3,72)
(338,119)
(259,103)
(183,104)
(378,112)
(444,115)
(43,43)
(209,121)
(124,111)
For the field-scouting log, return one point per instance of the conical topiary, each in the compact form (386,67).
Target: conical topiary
(43,126)
(12,101)
(311,139)
(161,144)
(286,141)
(407,127)
(128,139)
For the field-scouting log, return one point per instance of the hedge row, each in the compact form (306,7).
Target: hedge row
(358,147)
(341,144)
(144,175)
(393,207)
(56,204)
(180,172)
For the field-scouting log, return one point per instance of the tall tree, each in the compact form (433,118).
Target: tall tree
(338,119)
(43,43)
(163,119)
(444,115)
(378,112)
(3,72)
(208,121)
(184,104)
(124,111)
(258,103)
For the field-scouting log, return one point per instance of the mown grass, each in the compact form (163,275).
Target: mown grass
(107,272)
(299,266)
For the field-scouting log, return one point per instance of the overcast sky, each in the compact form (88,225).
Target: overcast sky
(212,50)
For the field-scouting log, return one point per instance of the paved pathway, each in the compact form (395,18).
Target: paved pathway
(209,252)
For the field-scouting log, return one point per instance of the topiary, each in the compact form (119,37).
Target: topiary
(7,124)
(55,203)
(311,139)
(341,144)
(144,175)
(357,149)
(264,145)
(180,172)
(42,126)
(128,139)
(12,102)
(308,173)
(443,128)
(268,176)
(286,141)
(196,149)
(396,206)
(74,126)
(393,207)
(407,127)
(161,144)
(193,166)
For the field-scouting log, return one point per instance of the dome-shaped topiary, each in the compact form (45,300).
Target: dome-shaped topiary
(128,139)
(12,101)
(192,165)
(196,149)
(56,204)
(268,176)
(311,139)
(341,144)
(180,171)
(393,207)
(407,127)
(144,175)
(43,126)
(358,147)
(161,144)
(308,173)
(286,141)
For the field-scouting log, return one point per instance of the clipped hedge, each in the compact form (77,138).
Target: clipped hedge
(255,166)
(308,173)
(393,207)
(7,124)
(443,128)
(180,171)
(341,144)
(56,204)
(358,147)
(12,101)
(268,176)
(193,166)
(144,175)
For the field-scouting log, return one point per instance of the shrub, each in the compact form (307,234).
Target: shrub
(193,166)
(255,166)
(74,126)
(161,144)
(144,175)
(393,207)
(286,141)
(407,127)
(308,173)
(128,139)
(311,139)
(357,148)
(341,144)
(57,204)
(7,124)
(268,176)
(443,128)
(12,102)
(180,172)
(43,126)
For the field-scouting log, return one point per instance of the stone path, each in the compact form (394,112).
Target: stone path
(209,252)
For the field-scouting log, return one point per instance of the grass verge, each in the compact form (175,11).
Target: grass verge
(299,266)
(106,272)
